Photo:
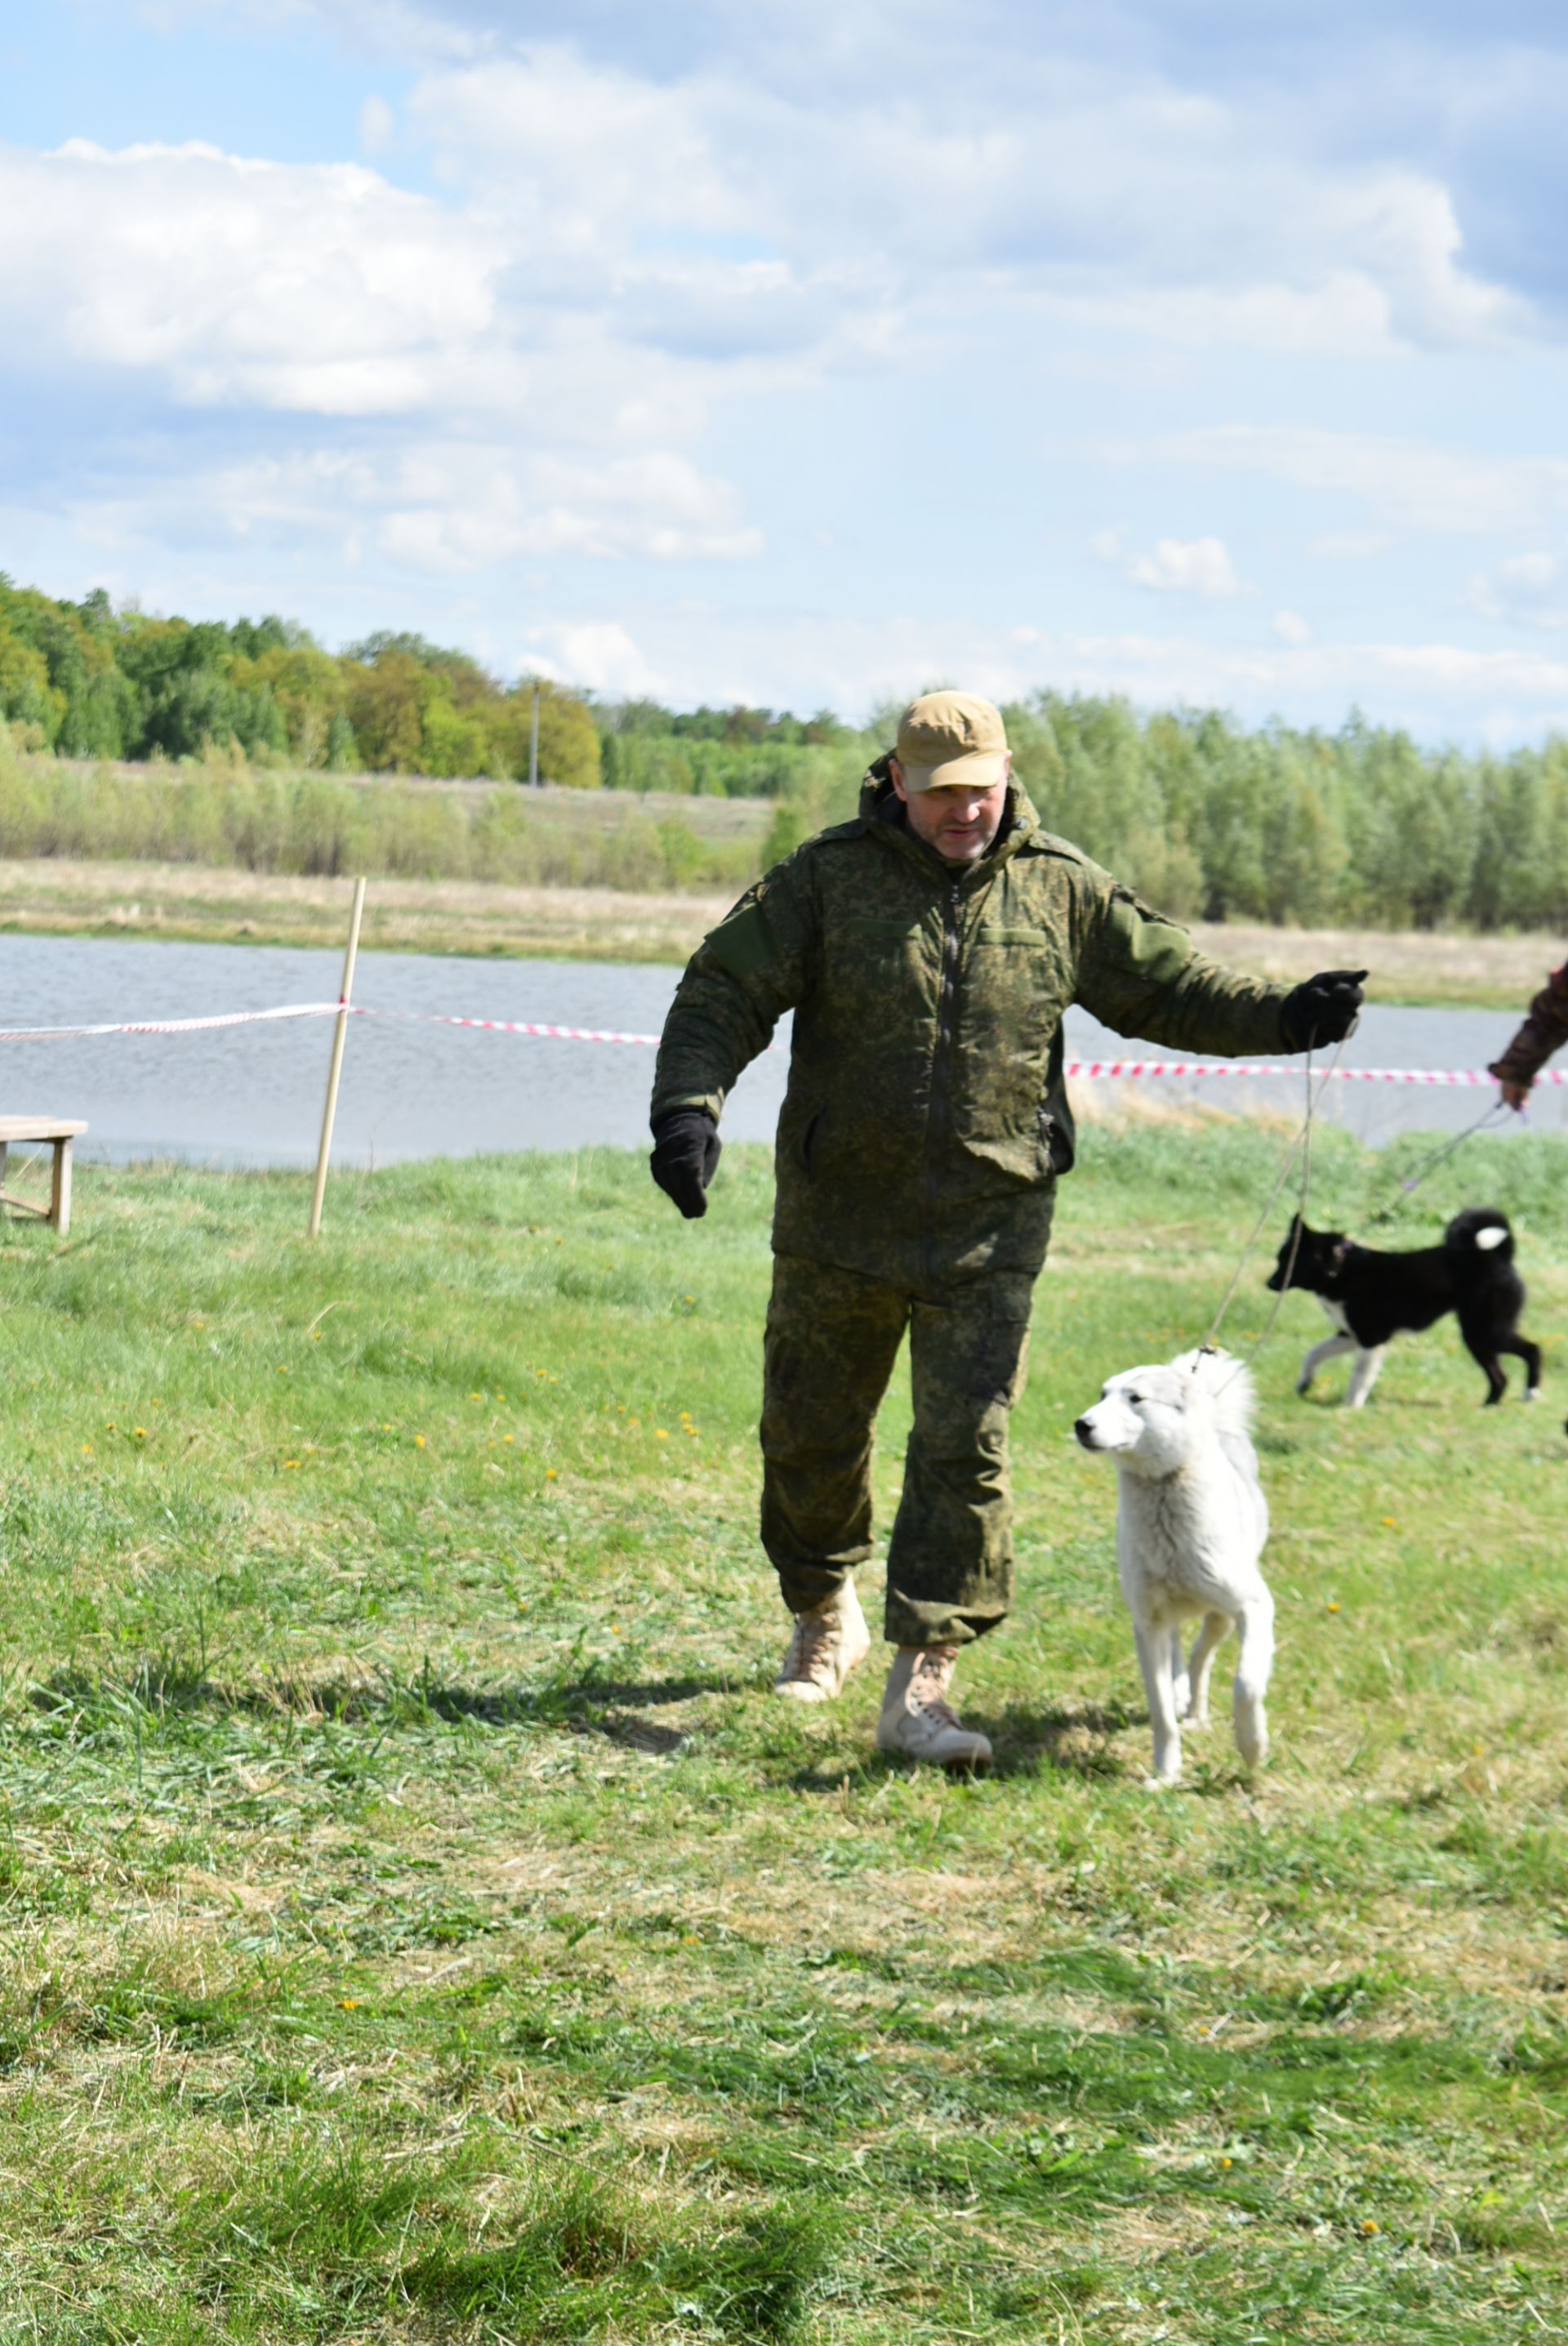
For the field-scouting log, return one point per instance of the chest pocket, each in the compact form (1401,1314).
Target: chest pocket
(1013,992)
(879,970)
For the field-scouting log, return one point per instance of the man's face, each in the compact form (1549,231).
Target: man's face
(959,823)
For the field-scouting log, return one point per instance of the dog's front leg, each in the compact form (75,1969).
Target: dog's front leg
(1154,1661)
(1181,1687)
(1255,1626)
(1364,1375)
(1201,1664)
(1329,1350)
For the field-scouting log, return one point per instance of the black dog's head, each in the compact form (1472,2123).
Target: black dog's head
(1318,1258)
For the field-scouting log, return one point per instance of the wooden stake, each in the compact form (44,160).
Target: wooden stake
(336,1068)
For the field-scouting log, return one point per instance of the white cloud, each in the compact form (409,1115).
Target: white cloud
(1411,484)
(305,287)
(1349,544)
(1292,628)
(1199,565)
(378,125)
(442,508)
(1530,590)
(598,656)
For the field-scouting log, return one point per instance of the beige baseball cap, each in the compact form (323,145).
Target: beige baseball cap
(951,739)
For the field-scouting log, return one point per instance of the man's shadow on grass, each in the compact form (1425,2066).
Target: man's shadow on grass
(587,1704)
(1028,1739)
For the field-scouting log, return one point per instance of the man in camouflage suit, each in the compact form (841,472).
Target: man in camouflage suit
(1545,1028)
(927,951)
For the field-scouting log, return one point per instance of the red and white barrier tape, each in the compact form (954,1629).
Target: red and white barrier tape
(1250,1069)
(169,1025)
(1074,1068)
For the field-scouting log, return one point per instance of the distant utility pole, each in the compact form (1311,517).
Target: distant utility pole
(533,743)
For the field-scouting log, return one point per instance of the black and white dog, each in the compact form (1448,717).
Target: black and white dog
(1372,1297)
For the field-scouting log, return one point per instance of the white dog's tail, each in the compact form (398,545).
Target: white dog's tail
(1227,1384)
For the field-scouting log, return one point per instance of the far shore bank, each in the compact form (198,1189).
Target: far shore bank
(219,905)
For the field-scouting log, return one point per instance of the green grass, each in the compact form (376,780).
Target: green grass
(422,1923)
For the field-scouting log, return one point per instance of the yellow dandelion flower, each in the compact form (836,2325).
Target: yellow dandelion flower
(551,1475)
(86,1449)
(290,1465)
(348,2004)
(196,1326)
(110,1426)
(140,1433)
(477,1396)
(419,1441)
(1388,1524)
(508,1437)
(661,1434)
(1368,2225)
(688,1299)
(1333,1607)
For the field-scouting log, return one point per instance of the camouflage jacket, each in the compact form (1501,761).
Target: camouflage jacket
(1544,1029)
(926,1117)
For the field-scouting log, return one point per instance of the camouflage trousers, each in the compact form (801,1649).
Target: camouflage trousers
(831,1340)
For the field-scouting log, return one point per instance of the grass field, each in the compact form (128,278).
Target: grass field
(423,1922)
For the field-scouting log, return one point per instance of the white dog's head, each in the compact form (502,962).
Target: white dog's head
(1149,1419)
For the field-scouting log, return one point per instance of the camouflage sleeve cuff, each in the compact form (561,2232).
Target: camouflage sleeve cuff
(1545,1030)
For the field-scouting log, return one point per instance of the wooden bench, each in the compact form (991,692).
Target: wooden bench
(59,1133)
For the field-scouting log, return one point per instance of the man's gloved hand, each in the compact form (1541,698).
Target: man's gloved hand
(1321,1009)
(687,1149)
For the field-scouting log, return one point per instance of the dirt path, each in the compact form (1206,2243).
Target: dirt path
(215,905)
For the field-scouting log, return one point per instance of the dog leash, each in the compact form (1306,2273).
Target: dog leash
(1300,1141)
(1428,1165)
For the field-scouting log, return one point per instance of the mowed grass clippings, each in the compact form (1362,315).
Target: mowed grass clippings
(422,1921)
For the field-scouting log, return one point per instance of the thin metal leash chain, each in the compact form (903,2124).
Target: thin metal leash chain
(1301,1141)
(1428,1165)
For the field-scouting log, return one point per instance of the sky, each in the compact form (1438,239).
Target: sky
(811,352)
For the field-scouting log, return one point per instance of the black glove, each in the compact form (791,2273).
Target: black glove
(687,1149)
(1321,1009)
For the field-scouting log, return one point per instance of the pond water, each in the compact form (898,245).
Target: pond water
(252,1095)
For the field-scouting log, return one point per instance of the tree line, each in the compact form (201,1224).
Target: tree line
(1205,817)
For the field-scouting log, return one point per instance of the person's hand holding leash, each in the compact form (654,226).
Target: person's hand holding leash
(686,1154)
(1322,1009)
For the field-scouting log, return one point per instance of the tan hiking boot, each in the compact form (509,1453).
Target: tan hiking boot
(919,1722)
(829,1642)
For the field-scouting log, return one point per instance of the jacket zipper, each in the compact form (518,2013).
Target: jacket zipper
(946,999)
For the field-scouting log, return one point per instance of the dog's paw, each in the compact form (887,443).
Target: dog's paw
(1303,1386)
(1161,1783)
(1531,1393)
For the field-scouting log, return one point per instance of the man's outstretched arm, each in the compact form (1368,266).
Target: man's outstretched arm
(1141,974)
(738,984)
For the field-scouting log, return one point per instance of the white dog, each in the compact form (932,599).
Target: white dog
(1189,1532)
